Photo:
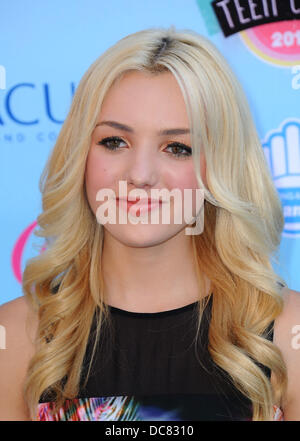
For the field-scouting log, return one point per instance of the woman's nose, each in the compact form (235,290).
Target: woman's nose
(142,167)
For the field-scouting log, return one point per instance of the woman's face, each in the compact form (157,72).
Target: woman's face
(140,155)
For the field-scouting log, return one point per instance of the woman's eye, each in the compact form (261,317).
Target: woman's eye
(111,143)
(180,150)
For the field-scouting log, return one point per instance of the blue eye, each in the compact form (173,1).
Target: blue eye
(182,150)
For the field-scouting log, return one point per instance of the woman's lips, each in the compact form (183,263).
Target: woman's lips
(142,205)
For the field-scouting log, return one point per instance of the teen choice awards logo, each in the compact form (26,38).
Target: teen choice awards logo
(282,151)
(270,29)
(276,43)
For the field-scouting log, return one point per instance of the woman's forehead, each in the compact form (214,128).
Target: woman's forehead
(140,96)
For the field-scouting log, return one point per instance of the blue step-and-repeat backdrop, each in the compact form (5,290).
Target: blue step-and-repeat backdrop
(45,48)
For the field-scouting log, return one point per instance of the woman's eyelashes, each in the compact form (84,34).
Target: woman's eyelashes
(181,150)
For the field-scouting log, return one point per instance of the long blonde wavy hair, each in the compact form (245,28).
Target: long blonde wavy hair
(242,229)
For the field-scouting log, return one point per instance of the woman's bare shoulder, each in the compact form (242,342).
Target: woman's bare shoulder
(16,315)
(18,328)
(286,323)
(287,339)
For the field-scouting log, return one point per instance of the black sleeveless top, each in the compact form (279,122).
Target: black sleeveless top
(147,369)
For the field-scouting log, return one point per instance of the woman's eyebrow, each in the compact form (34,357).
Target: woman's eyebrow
(120,126)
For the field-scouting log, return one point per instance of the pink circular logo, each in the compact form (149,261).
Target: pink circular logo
(276,43)
(18,251)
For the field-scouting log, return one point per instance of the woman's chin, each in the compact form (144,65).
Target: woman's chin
(140,235)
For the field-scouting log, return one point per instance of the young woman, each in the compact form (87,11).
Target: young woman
(132,320)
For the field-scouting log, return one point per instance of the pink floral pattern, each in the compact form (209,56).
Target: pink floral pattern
(110,409)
